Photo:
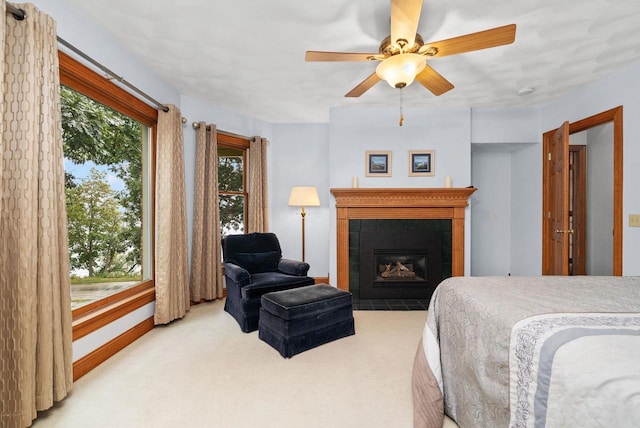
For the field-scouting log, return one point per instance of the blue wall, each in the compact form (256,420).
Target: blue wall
(329,155)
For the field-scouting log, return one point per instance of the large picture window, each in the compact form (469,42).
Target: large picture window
(106,165)
(109,140)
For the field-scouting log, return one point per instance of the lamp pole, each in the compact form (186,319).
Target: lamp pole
(303,214)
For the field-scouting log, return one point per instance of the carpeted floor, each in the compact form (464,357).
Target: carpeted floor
(202,371)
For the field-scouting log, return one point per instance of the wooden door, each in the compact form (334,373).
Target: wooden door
(556,196)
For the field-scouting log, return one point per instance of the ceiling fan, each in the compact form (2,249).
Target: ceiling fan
(404,54)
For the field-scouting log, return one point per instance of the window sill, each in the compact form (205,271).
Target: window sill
(96,315)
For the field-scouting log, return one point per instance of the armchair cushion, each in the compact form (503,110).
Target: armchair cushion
(257,262)
(272,281)
(256,252)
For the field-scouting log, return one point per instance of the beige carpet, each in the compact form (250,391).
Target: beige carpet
(202,371)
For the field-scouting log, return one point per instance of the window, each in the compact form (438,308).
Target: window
(232,183)
(109,144)
(106,186)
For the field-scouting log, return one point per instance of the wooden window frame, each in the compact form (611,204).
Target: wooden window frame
(238,142)
(99,313)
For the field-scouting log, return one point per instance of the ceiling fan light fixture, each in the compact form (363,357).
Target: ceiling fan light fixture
(400,70)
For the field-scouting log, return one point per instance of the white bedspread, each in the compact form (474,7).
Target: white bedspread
(575,370)
(466,341)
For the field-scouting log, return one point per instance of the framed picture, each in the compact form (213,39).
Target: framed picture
(378,164)
(421,163)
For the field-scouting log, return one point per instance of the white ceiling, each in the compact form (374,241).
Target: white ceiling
(248,56)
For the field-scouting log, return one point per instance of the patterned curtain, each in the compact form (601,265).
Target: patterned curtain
(206,259)
(258,196)
(172,269)
(35,296)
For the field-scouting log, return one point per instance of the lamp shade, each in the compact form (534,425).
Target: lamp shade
(400,70)
(304,197)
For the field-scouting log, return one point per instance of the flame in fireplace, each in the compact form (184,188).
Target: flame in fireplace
(398,271)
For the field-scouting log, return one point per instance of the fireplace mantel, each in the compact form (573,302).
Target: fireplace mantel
(405,197)
(402,203)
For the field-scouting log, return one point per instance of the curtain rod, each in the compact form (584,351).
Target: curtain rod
(196,125)
(20,14)
(112,75)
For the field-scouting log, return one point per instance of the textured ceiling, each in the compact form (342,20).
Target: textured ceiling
(248,56)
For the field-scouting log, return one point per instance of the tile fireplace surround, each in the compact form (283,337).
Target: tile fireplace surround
(404,203)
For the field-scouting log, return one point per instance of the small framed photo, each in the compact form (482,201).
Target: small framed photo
(378,164)
(421,163)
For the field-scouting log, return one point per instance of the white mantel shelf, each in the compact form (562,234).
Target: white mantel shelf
(401,203)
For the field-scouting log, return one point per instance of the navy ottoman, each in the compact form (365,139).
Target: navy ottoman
(296,320)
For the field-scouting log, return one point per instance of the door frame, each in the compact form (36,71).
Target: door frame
(614,115)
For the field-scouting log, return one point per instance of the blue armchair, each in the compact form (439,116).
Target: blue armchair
(253,266)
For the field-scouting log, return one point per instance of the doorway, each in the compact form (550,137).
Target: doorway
(567,232)
(578,208)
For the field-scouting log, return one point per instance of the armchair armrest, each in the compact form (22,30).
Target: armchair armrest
(237,274)
(293,267)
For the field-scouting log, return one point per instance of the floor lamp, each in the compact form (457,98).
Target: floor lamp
(303,197)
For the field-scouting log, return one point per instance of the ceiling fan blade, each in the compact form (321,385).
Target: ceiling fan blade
(364,86)
(433,81)
(405,15)
(338,56)
(472,42)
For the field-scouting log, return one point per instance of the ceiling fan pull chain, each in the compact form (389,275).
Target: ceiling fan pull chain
(401,113)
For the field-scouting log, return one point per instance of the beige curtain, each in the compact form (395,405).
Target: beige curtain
(258,196)
(206,282)
(172,274)
(35,297)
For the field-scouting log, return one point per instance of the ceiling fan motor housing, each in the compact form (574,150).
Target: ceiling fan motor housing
(389,49)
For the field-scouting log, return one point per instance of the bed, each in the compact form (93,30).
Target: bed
(530,352)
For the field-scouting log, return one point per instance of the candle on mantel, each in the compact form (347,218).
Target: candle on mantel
(354,182)
(447,181)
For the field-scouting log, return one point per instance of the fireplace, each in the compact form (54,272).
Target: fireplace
(398,259)
(406,204)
